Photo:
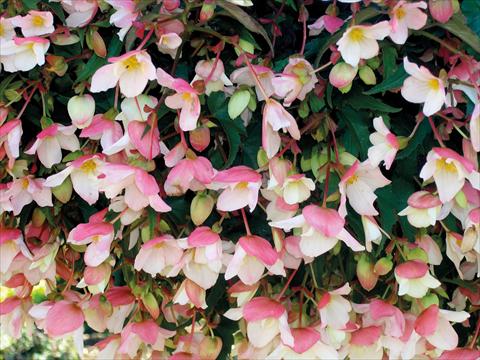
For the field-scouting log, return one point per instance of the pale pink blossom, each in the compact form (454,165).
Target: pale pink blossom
(169,43)
(422,87)
(381,313)
(327,22)
(189,293)
(334,308)
(7,29)
(96,278)
(124,15)
(244,76)
(406,16)
(186,99)
(212,72)
(360,41)
(372,232)
(159,255)
(252,255)
(10,137)
(297,188)
(81,12)
(414,279)
(385,144)
(295,82)
(50,142)
(423,209)
(277,209)
(321,228)
(240,186)
(131,71)
(23,191)
(358,185)
(449,171)
(14,317)
(35,23)
(475,128)
(10,243)
(365,343)
(23,54)
(108,131)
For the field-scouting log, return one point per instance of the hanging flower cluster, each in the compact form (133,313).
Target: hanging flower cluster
(204,179)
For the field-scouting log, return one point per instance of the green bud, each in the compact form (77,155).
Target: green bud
(417,254)
(262,158)
(374,63)
(461,199)
(365,273)
(63,192)
(346,88)
(238,102)
(402,142)
(151,305)
(383,266)
(38,217)
(367,75)
(201,208)
(430,299)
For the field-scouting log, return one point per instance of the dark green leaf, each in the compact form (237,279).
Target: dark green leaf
(471,10)
(360,101)
(422,132)
(394,81)
(456,25)
(358,129)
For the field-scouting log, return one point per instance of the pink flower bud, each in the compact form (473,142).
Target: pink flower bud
(208,8)
(342,75)
(98,45)
(210,347)
(81,109)
(171,5)
(200,138)
(366,274)
(441,10)
(383,266)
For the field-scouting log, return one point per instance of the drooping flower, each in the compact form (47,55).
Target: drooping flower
(23,54)
(365,343)
(240,186)
(385,144)
(186,99)
(35,23)
(189,293)
(360,41)
(23,191)
(108,131)
(10,136)
(449,171)
(252,254)
(422,87)
(423,209)
(327,22)
(406,16)
(81,12)
(84,173)
(212,72)
(124,15)
(50,142)
(131,71)
(10,243)
(158,256)
(169,43)
(414,279)
(342,74)
(244,76)
(321,228)
(334,308)
(358,184)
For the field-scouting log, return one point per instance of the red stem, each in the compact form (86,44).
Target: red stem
(245,222)
(304,40)
(145,39)
(279,296)
(435,132)
(477,330)
(27,101)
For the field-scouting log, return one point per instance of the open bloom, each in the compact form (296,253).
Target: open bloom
(131,71)
(212,72)
(240,184)
(84,173)
(358,184)
(275,117)
(381,313)
(334,308)
(186,99)
(124,15)
(108,131)
(99,235)
(35,23)
(406,16)
(50,142)
(434,325)
(266,318)
(423,209)
(10,136)
(23,191)
(10,243)
(23,54)
(449,171)
(422,87)
(296,81)
(169,43)
(365,343)
(252,254)
(360,41)
(189,293)
(296,189)
(414,279)
(385,144)
(7,30)
(141,188)
(322,228)
(159,255)
(244,76)
(81,12)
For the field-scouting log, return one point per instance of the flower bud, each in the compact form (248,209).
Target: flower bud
(207,10)
(63,192)
(262,159)
(383,266)
(367,75)
(210,347)
(38,217)
(365,273)
(201,208)
(441,10)
(171,5)
(342,75)
(151,305)
(98,44)
(81,109)
(417,254)
(57,65)
(200,138)
(238,102)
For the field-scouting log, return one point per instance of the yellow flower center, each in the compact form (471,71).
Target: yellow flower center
(242,185)
(400,13)
(434,84)
(2,30)
(88,166)
(356,34)
(131,63)
(186,96)
(352,180)
(25,184)
(38,21)
(95,238)
(442,164)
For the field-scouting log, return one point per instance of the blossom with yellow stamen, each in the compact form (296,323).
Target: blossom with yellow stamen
(35,23)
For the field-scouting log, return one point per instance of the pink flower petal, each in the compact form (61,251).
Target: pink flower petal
(260,308)
(260,248)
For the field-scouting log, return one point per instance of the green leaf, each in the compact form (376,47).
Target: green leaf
(57,9)
(421,134)
(389,55)
(246,20)
(457,26)
(30,4)
(360,101)
(394,81)
(357,129)
(471,10)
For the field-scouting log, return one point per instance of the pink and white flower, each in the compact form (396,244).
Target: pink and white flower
(50,142)
(81,12)
(10,137)
(131,71)
(406,16)
(385,144)
(169,43)
(295,82)
(189,293)
(186,99)
(7,29)
(422,87)
(35,23)
(108,131)
(414,279)
(423,209)
(334,308)
(252,255)
(449,171)
(381,313)
(23,54)
(244,76)
(360,42)
(327,22)
(358,185)
(240,186)
(124,15)
(321,228)
(266,318)
(297,188)
(23,191)
(365,343)
(212,72)
(159,256)
(10,245)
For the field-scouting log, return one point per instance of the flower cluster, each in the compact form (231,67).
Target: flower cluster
(189,182)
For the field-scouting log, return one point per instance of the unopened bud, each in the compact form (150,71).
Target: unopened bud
(81,109)
(417,254)
(38,217)
(383,266)
(238,102)
(171,5)
(365,273)
(367,75)
(200,138)
(201,208)
(441,10)
(342,75)
(63,192)
(207,10)
(98,44)
(151,305)
(210,347)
